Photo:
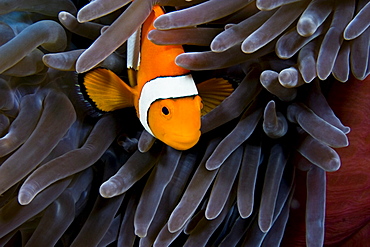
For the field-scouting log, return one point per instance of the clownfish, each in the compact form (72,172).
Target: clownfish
(164,95)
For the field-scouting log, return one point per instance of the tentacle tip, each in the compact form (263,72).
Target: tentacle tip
(349,34)
(182,60)
(163,22)
(249,47)
(25,197)
(346,129)
(286,79)
(263,6)
(174,225)
(308,77)
(79,18)
(46,59)
(152,35)
(143,149)
(211,214)
(245,213)
(333,165)
(306,27)
(360,74)
(264,225)
(84,15)
(344,142)
(63,15)
(211,165)
(217,46)
(341,78)
(83,66)
(323,75)
(283,54)
(141,232)
(108,189)
(271,104)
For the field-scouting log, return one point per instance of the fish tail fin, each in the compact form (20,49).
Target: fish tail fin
(106,90)
(213,92)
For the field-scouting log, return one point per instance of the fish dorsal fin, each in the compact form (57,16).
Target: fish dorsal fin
(157,60)
(133,50)
(133,56)
(107,90)
(213,92)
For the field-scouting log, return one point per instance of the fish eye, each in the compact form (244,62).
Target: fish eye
(165,110)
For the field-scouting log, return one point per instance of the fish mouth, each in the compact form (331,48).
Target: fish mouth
(182,142)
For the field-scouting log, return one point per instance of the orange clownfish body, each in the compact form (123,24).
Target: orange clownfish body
(164,95)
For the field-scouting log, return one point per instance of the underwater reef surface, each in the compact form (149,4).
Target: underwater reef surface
(275,165)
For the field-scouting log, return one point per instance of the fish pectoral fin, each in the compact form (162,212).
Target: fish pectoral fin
(107,90)
(213,92)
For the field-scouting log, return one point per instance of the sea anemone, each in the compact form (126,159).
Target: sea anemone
(264,154)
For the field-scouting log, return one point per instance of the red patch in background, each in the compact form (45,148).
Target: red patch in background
(348,189)
(347,222)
